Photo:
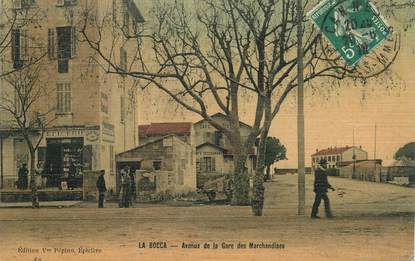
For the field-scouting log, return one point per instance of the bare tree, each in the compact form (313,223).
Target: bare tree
(22,99)
(218,53)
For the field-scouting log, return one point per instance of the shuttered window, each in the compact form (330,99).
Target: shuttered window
(64,98)
(51,43)
(19,45)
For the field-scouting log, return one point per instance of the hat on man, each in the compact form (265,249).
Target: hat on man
(323,162)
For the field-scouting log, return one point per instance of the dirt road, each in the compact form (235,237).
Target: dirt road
(373,222)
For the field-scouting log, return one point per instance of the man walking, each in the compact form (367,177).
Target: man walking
(101,188)
(321,186)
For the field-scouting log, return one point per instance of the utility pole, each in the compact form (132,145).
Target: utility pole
(354,158)
(374,153)
(374,159)
(300,111)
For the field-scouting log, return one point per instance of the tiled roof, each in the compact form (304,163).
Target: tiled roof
(331,151)
(142,130)
(164,128)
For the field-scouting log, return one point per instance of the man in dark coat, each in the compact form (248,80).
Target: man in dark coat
(321,186)
(23,177)
(101,188)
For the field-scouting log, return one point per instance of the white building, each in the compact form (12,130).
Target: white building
(335,156)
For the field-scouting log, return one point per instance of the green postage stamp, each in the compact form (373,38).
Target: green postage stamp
(353,27)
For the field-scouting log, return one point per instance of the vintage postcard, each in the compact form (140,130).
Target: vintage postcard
(207,130)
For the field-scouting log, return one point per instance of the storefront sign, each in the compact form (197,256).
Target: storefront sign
(209,153)
(65,133)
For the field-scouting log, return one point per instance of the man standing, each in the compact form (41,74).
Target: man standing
(321,186)
(23,177)
(101,188)
(125,187)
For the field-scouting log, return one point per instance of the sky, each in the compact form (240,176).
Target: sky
(331,117)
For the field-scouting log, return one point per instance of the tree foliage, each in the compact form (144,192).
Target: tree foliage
(275,151)
(406,152)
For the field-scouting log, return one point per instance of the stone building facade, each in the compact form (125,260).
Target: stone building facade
(93,115)
(165,162)
(336,155)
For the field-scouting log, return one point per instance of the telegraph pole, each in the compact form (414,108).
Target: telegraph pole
(354,158)
(374,160)
(300,111)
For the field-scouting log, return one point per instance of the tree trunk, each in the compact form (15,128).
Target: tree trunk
(268,177)
(258,192)
(35,199)
(258,189)
(240,195)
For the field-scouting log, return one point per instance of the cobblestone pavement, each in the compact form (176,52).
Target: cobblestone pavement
(372,222)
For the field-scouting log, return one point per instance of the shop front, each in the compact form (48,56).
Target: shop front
(62,158)
(65,155)
(63,165)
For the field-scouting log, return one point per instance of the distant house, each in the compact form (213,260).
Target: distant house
(164,164)
(214,155)
(335,156)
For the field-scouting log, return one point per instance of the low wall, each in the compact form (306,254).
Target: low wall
(43,195)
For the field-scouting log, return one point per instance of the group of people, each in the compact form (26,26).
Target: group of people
(128,188)
(128,192)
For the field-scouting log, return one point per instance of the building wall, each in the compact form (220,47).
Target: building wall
(175,157)
(360,154)
(209,151)
(89,84)
(204,132)
(184,164)
(366,170)
(334,159)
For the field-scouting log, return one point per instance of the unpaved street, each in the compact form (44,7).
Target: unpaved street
(373,222)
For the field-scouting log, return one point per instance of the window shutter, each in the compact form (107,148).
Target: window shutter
(213,164)
(73,42)
(15,42)
(17,4)
(23,44)
(114,11)
(60,2)
(123,59)
(51,43)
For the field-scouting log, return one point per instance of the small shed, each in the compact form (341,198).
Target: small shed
(402,172)
(164,164)
(368,170)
